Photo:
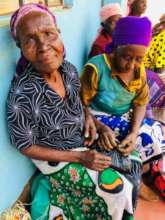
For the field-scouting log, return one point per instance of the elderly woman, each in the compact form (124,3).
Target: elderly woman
(46,121)
(109,15)
(114,87)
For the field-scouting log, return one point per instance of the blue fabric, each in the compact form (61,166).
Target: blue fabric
(150,141)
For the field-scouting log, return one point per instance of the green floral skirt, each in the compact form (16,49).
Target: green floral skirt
(73,192)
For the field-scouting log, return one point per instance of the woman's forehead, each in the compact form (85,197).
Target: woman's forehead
(134,48)
(140,1)
(35,19)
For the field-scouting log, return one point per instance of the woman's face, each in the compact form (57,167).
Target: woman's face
(110,23)
(139,7)
(40,42)
(128,59)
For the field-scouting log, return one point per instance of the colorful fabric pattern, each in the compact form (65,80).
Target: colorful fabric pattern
(156,106)
(24,10)
(158,175)
(150,141)
(77,193)
(155,57)
(100,43)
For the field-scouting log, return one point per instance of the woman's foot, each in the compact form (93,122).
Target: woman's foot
(147,193)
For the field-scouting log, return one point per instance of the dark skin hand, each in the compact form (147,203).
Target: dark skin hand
(107,139)
(128,144)
(90,159)
(90,128)
(94,160)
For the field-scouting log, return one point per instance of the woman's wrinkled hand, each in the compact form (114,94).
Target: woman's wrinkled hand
(128,144)
(94,160)
(107,139)
(90,130)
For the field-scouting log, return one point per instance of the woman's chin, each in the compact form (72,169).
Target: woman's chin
(48,67)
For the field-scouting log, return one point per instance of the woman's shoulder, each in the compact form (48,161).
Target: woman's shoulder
(68,66)
(71,75)
(97,59)
(98,63)
(69,70)
(27,81)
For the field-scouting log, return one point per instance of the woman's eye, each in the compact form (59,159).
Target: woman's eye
(29,41)
(51,35)
(48,34)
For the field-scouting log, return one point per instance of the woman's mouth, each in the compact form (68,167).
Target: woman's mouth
(45,58)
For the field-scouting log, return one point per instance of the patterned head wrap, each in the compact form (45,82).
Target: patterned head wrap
(24,10)
(131,30)
(109,10)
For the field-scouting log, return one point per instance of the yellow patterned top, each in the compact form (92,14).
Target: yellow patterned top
(155,57)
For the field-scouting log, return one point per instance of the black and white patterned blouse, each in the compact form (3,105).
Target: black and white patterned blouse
(38,115)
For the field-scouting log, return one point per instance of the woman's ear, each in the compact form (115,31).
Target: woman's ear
(18,43)
(59,31)
(102,24)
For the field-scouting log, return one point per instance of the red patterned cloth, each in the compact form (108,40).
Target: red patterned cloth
(100,44)
(158,174)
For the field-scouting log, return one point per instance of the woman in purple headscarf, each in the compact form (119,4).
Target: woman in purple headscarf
(114,86)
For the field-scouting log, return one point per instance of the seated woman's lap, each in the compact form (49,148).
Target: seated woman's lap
(75,188)
(150,139)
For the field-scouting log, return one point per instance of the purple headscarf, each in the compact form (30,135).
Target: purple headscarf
(24,10)
(131,30)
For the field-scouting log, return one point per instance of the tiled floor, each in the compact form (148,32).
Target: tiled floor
(150,210)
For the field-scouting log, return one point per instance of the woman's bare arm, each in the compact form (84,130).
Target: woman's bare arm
(90,159)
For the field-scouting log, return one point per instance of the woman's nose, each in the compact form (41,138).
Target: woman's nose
(42,44)
(132,65)
(145,4)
